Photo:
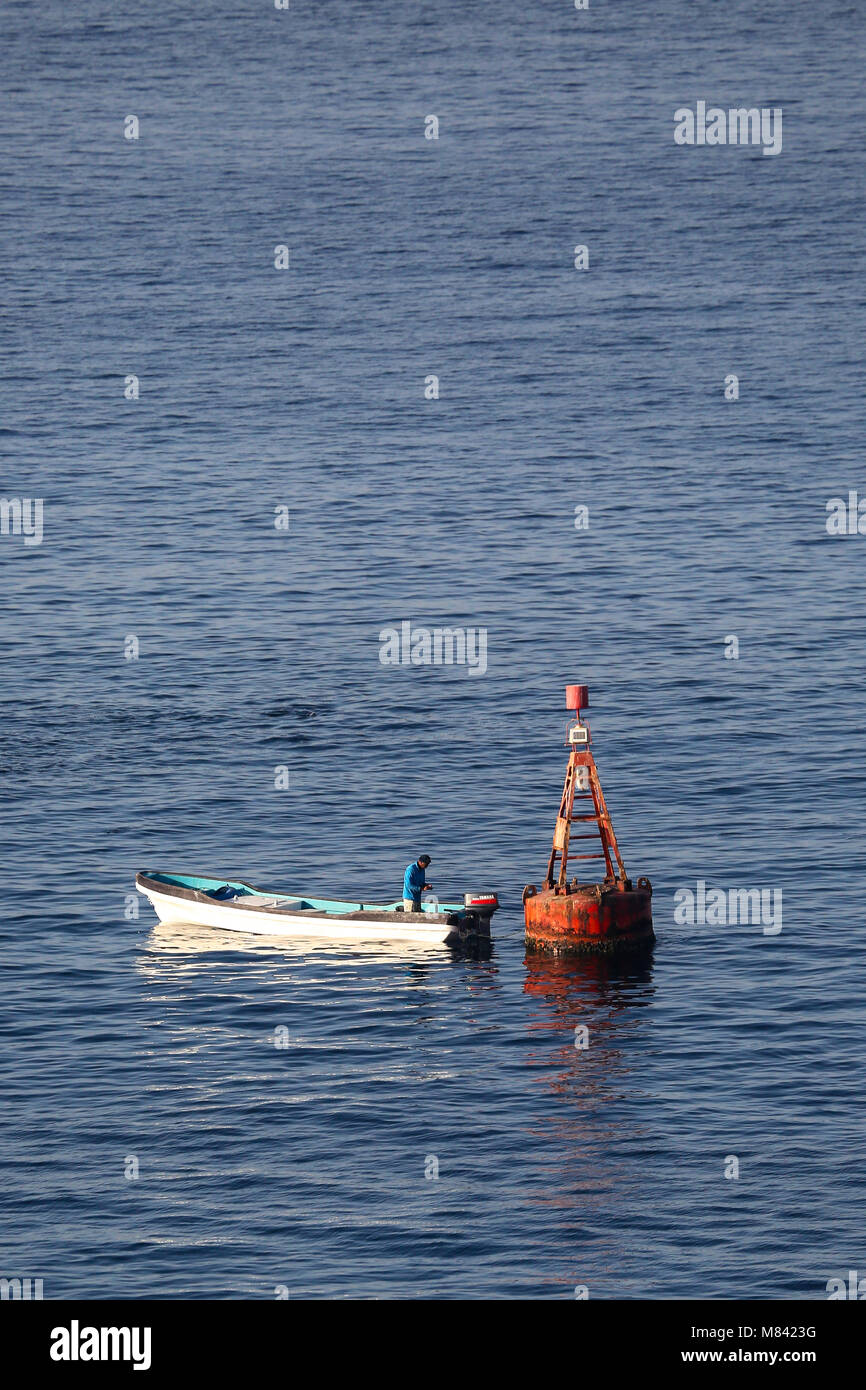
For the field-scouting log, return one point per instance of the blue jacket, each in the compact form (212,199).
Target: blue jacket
(413,881)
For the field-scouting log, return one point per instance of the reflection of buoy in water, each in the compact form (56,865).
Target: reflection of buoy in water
(572,984)
(567,915)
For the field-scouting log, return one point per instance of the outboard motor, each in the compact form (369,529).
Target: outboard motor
(473,923)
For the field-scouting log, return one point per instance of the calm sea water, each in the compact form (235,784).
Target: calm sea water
(304,1167)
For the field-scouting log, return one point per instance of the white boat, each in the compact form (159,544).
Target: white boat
(236,906)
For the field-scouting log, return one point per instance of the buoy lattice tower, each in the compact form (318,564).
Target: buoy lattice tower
(570,915)
(581,785)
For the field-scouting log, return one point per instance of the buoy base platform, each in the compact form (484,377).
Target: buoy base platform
(589,917)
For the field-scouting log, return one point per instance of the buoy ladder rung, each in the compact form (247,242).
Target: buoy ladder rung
(562,835)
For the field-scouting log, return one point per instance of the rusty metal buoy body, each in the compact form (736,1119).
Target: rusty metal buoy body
(566,915)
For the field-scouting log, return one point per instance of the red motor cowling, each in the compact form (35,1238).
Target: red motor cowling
(480,902)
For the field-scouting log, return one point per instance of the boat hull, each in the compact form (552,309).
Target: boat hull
(179,906)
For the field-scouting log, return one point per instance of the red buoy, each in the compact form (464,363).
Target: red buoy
(570,915)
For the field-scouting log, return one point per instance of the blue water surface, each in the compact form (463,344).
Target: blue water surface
(309,1167)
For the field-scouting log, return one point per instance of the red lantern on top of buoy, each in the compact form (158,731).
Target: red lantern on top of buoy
(577,697)
(570,915)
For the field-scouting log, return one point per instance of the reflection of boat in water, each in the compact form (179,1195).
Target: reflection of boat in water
(184,939)
(237,906)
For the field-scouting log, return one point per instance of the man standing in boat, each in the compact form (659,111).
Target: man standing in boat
(413,883)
